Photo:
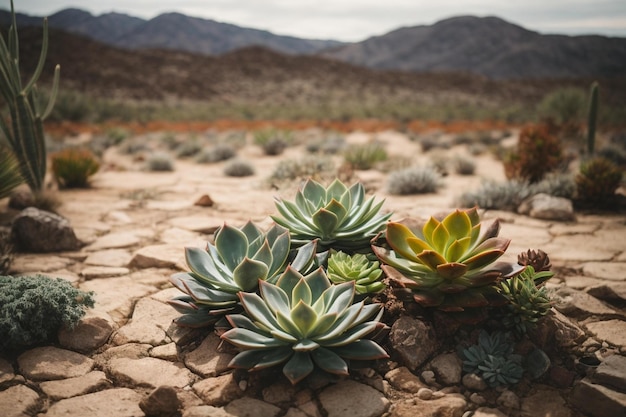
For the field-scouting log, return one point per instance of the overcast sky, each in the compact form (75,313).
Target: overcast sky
(355,20)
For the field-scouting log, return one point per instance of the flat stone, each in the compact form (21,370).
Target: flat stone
(280,392)
(351,399)
(452,405)
(167,352)
(115,240)
(201,224)
(73,387)
(182,237)
(128,351)
(109,257)
(148,324)
(413,341)
(403,379)
(577,248)
(91,332)
(560,229)
(596,400)
(579,304)
(612,372)
(163,401)
(250,407)
(608,290)
(92,272)
(24,263)
(524,237)
(556,328)
(206,360)
(156,277)
(218,391)
(447,367)
(547,207)
(580,282)
(116,296)
(545,402)
(159,256)
(118,402)
(612,331)
(614,271)
(6,371)
(150,372)
(474,382)
(18,401)
(167,205)
(206,411)
(51,363)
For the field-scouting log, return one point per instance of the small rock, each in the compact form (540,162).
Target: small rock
(352,399)
(116,296)
(91,332)
(425,394)
(124,401)
(474,382)
(613,271)
(429,378)
(449,406)
(477,399)
(167,352)
(219,390)
(206,360)
(159,256)
(150,372)
(509,400)
(413,341)
(50,363)
(36,230)
(488,412)
(612,372)
(148,323)
(403,379)
(447,367)
(547,207)
(109,257)
(73,387)
(596,400)
(18,401)
(579,304)
(163,401)
(561,377)
(92,272)
(612,331)
(116,240)
(6,371)
(250,407)
(545,402)
(556,329)
(204,201)
(611,291)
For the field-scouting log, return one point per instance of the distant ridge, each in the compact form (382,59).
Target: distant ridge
(488,46)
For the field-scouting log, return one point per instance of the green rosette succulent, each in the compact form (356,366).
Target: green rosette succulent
(304,322)
(239,259)
(366,274)
(340,217)
(450,263)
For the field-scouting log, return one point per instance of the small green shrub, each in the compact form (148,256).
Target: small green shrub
(188,148)
(169,140)
(496,195)
(34,308)
(538,153)
(133,146)
(415,180)
(365,156)
(238,168)
(160,161)
(329,146)
(564,106)
(272,141)
(117,135)
(10,176)
(307,166)
(556,184)
(73,167)
(217,153)
(597,181)
(464,165)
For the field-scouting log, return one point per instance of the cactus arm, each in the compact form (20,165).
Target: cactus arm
(13,39)
(42,57)
(592,116)
(28,151)
(53,93)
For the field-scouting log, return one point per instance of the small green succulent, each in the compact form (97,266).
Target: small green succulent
(236,262)
(527,301)
(303,322)
(366,274)
(450,263)
(340,217)
(492,359)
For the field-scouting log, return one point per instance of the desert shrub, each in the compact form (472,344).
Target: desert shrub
(70,106)
(477,148)
(169,140)
(188,148)
(160,161)
(238,168)
(330,145)
(538,152)
(496,195)
(272,141)
(464,165)
(117,135)
(557,184)
(34,308)
(10,176)
(565,106)
(433,142)
(73,167)
(133,147)
(613,153)
(597,181)
(414,180)
(307,166)
(217,153)
(365,156)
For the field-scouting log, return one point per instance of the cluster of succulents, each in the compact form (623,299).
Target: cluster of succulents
(365,273)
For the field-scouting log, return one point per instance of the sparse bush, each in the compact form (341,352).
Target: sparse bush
(365,156)
(538,152)
(117,135)
(272,141)
(73,167)
(169,140)
(238,168)
(133,147)
(415,180)
(432,142)
(597,181)
(188,148)
(564,106)
(34,308)
(307,166)
(555,184)
(160,161)
(497,195)
(329,146)
(477,149)
(464,165)
(217,153)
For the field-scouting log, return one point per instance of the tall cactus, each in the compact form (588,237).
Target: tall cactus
(592,116)
(24,133)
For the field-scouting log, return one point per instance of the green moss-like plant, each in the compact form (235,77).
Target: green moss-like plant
(34,308)
(365,156)
(413,180)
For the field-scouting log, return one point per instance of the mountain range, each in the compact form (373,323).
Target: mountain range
(487,46)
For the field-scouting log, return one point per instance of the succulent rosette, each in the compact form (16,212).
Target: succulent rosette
(366,274)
